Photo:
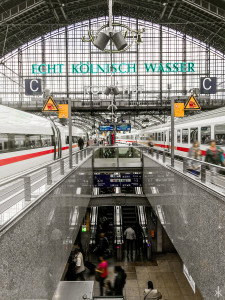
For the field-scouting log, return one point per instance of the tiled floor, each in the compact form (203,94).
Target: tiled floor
(165,271)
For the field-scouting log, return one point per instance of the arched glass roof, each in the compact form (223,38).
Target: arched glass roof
(65,46)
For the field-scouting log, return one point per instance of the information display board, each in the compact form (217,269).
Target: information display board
(123,127)
(117,179)
(106,127)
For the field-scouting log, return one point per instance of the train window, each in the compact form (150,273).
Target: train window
(35,141)
(19,141)
(159,136)
(194,135)
(219,131)
(178,136)
(162,136)
(185,136)
(156,136)
(205,134)
(4,144)
(46,140)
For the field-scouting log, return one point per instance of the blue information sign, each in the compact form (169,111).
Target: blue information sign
(124,127)
(106,127)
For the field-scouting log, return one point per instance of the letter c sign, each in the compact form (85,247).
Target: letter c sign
(208,85)
(33,87)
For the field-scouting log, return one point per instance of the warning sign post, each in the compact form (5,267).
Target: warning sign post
(192,104)
(50,105)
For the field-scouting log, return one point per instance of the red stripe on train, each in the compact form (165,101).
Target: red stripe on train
(11,160)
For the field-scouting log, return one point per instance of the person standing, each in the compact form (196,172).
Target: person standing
(79,267)
(139,239)
(103,270)
(81,143)
(120,281)
(130,236)
(214,155)
(151,294)
(90,142)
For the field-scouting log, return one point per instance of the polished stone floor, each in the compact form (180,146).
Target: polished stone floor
(165,271)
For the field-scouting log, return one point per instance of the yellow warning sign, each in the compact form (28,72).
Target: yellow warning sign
(50,105)
(178,110)
(63,111)
(192,104)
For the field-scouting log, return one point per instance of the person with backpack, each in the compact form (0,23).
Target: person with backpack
(151,294)
(120,281)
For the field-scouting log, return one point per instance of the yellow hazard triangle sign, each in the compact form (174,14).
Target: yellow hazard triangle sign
(192,104)
(50,105)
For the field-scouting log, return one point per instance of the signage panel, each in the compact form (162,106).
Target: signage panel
(63,111)
(207,85)
(33,87)
(123,127)
(106,127)
(117,180)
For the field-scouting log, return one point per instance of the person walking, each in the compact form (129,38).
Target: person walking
(120,280)
(102,245)
(79,267)
(214,155)
(195,153)
(81,143)
(130,236)
(103,270)
(151,294)
(108,288)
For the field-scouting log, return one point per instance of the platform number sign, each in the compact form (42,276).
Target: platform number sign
(208,85)
(33,87)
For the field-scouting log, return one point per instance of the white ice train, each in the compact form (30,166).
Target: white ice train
(201,127)
(28,141)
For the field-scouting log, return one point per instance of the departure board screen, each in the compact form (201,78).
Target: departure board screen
(118,179)
(106,127)
(123,127)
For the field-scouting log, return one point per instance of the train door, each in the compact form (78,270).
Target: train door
(54,139)
(59,143)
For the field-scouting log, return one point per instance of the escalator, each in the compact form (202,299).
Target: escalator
(129,216)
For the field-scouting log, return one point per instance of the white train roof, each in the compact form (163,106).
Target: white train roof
(20,122)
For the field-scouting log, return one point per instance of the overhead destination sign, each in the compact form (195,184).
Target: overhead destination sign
(123,127)
(192,104)
(106,127)
(50,105)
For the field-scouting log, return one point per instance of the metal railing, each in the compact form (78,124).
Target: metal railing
(200,170)
(17,193)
